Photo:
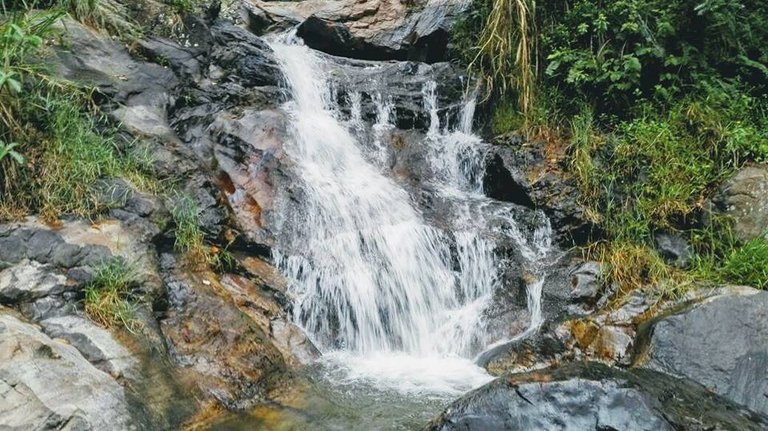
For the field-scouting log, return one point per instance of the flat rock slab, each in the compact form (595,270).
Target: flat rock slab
(29,280)
(96,344)
(587,396)
(47,384)
(721,343)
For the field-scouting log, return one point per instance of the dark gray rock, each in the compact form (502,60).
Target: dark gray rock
(674,249)
(594,397)
(520,171)
(721,343)
(382,29)
(745,198)
(92,59)
(246,59)
(45,246)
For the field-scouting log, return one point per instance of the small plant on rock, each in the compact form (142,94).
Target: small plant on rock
(107,296)
(189,237)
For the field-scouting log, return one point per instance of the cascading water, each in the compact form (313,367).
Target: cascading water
(377,288)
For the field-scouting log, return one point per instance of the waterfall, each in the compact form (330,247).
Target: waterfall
(375,286)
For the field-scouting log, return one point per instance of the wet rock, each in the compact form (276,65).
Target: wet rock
(594,397)
(229,355)
(721,343)
(541,350)
(613,344)
(745,198)
(674,249)
(633,306)
(46,384)
(258,302)
(500,183)
(531,173)
(95,344)
(30,280)
(247,59)
(249,154)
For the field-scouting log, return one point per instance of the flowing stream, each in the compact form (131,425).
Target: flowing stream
(392,300)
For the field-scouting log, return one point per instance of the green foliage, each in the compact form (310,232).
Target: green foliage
(655,172)
(107,296)
(748,264)
(109,15)
(613,53)
(501,48)
(7,150)
(66,142)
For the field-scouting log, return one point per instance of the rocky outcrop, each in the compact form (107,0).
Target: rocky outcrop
(745,198)
(232,358)
(721,343)
(46,384)
(532,174)
(369,29)
(594,397)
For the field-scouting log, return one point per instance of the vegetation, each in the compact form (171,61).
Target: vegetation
(107,296)
(656,102)
(188,234)
(57,141)
(748,265)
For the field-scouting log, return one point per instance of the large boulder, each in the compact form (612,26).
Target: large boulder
(46,384)
(721,343)
(745,198)
(368,29)
(594,397)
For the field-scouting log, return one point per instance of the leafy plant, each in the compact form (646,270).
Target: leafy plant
(7,150)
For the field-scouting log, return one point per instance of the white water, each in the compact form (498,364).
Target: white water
(376,287)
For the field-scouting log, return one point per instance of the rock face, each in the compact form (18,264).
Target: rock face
(745,198)
(721,343)
(46,384)
(594,397)
(368,29)
(530,173)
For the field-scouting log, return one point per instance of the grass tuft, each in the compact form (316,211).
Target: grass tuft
(107,296)
(748,264)
(189,236)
